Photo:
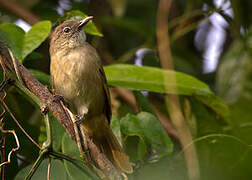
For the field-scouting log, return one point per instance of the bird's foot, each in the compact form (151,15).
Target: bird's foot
(58,97)
(78,119)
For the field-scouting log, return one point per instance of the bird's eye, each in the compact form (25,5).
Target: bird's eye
(66,29)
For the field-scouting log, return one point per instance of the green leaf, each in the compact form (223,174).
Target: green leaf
(69,147)
(89,28)
(153,79)
(206,121)
(225,156)
(23,44)
(57,133)
(115,126)
(57,170)
(13,36)
(35,36)
(151,133)
(216,104)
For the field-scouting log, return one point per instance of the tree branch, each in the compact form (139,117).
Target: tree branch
(19,11)
(172,100)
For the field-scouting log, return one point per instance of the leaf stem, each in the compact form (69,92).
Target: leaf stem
(37,163)
(48,143)
(28,93)
(77,163)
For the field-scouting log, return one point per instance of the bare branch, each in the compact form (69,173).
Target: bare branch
(13,149)
(19,125)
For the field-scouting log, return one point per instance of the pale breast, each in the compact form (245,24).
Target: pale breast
(76,76)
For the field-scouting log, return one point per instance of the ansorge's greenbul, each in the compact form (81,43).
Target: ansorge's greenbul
(78,75)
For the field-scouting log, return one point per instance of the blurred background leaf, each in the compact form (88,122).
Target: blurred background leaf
(154,143)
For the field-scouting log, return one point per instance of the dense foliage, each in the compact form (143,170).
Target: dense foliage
(216,106)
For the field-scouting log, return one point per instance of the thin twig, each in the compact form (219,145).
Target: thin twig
(36,164)
(172,101)
(2,169)
(13,149)
(16,121)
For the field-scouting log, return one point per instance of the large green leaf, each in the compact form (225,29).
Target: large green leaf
(23,44)
(13,36)
(57,133)
(151,135)
(35,36)
(57,171)
(153,79)
(69,147)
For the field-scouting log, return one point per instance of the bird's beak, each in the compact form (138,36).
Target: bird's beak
(84,22)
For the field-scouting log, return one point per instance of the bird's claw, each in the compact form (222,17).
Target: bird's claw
(79,120)
(58,97)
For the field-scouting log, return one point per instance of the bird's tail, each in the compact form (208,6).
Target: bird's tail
(106,141)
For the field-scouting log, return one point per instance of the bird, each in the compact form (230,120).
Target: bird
(77,74)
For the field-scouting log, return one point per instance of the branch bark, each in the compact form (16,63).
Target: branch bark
(19,11)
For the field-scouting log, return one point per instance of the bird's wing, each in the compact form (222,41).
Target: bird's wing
(107,106)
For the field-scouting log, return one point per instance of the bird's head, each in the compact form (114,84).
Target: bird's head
(69,34)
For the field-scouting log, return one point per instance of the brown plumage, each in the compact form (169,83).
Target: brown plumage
(78,75)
